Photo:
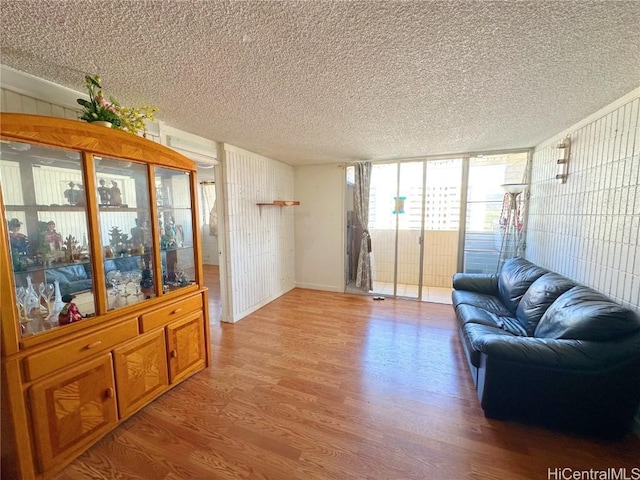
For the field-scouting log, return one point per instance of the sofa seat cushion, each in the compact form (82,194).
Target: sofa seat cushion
(541,294)
(584,314)
(472,314)
(515,278)
(481,300)
(472,335)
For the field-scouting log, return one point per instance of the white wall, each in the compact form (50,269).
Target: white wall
(319,227)
(589,228)
(260,260)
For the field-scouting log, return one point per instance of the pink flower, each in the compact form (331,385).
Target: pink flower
(105,104)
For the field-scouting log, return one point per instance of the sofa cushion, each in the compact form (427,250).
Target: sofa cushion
(484,301)
(540,295)
(472,335)
(71,278)
(476,282)
(472,314)
(124,264)
(584,314)
(515,278)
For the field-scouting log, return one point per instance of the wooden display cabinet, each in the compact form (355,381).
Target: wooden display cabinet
(103,303)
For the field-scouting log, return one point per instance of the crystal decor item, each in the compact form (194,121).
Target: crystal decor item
(32,300)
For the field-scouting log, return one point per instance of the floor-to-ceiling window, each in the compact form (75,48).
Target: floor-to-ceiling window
(487,212)
(431,218)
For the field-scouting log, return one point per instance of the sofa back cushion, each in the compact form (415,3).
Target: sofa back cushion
(541,294)
(515,278)
(71,278)
(124,264)
(584,314)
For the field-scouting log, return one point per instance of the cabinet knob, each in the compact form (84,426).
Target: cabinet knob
(177,310)
(93,345)
(173,354)
(109,392)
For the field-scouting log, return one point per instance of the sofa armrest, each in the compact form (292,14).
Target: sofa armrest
(562,354)
(586,386)
(476,282)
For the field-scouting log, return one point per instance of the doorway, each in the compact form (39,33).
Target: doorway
(207,198)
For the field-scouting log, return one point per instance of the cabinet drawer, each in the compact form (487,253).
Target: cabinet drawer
(69,353)
(162,316)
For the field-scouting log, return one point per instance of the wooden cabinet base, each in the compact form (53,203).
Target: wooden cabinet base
(63,413)
(185,343)
(141,371)
(72,409)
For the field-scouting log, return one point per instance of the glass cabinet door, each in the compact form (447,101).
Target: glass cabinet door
(122,192)
(173,198)
(45,208)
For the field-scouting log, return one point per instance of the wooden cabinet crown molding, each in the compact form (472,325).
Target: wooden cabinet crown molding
(76,134)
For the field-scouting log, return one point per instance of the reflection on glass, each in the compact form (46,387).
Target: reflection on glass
(173,199)
(45,208)
(485,196)
(122,193)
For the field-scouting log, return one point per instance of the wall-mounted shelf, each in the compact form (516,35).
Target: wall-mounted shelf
(278,203)
(281,203)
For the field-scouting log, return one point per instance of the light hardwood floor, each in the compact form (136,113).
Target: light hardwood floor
(320,385)
(212,282)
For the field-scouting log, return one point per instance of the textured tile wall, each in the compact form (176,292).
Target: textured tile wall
(260,253)
(589,228)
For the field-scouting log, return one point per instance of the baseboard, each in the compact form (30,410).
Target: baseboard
(239,316)
(324,288)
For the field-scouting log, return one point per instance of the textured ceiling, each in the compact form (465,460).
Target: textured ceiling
(330,81)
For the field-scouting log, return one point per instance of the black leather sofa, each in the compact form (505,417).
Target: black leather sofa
(542,348)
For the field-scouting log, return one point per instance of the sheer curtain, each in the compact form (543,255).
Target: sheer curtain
(362,188)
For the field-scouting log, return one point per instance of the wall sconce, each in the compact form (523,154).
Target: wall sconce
(564,150)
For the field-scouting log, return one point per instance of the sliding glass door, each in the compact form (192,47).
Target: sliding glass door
(413,222)
(441,228)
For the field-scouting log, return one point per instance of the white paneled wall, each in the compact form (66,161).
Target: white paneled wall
(589,228)
(260,246)
(17,103)
(14,102)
